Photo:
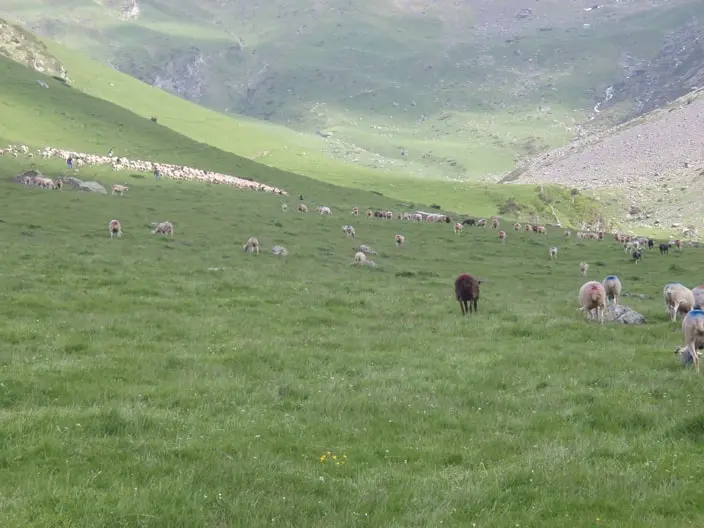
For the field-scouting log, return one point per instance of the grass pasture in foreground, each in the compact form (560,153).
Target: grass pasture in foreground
(140,388)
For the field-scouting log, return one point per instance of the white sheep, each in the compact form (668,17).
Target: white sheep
(279,250)
(698,293)
(348,230)
(164,228)
(115,228)
(284,207)
(360,258)
(252,246)
(693,330)
(678,299)
(399,240)
(119,189)
(612,287)
(592,297)
(553,252)
(302,208)
(458,228)
(583,268)
(324,210)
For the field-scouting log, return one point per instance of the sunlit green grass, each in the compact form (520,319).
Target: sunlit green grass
(139,386)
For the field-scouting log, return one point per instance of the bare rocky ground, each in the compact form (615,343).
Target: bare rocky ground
(653,166)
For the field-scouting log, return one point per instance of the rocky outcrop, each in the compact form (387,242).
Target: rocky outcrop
(624,315)
(23,47)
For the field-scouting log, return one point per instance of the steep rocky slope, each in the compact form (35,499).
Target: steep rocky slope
(653,166)
(23,47)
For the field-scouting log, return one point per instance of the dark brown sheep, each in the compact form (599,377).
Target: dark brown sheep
(467,291)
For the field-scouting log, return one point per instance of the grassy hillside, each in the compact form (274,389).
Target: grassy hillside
(463,90)
(65,117)
(141,387)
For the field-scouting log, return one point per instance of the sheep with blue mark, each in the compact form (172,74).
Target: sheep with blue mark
(612,287)
(678,299)
(693,330)
(698,292)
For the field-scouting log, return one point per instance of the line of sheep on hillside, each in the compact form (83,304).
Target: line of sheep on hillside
(175,172)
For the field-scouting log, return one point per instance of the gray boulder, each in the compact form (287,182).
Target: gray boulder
(91,186)
(624,315)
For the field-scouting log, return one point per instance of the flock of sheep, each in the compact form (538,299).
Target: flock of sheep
(176,172)
(593,295)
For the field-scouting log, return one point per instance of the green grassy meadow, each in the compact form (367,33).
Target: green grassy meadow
(153,382)
(140,388)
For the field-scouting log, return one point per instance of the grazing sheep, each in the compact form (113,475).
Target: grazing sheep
(612,287)
(636,256)
(284,207)
(164,228)
(302,208)
(678,244)
(516,226)
(698,292)
(58,185)
(567,233)
(664,249)
(693,330)
(399,240)
(592,299)
(481,222)
(355,211)
(502,236)
(583,268)
(324,210)
(467,292)
(115,228)
(541,230)
(495,223)
(119,189)
(348,230)
(553,252)
(469,221)
(650,244)
(279,250)
(458,228)
(252,246)
(370,213)
(360,258)
(678,299)
(528,228)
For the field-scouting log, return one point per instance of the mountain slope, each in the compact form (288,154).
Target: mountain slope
(652,167)
(65,117)
(445,89)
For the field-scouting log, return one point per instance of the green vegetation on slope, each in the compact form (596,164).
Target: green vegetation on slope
(440,83)
(65,117)
(140,388)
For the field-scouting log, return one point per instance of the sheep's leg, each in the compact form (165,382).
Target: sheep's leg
(461,306)
(675,309)
(476,309)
